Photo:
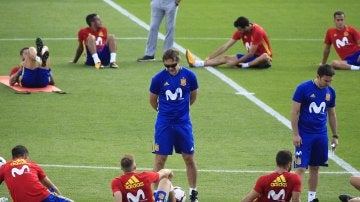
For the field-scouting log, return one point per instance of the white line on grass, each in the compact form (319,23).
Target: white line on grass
(145,38)
(182,170)
(234,85)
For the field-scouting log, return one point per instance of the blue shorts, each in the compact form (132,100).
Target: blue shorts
(259,66)
(36,78)
(178,136)
(312,152)
(353,59)
(104,56)
(55,198)
(239,55)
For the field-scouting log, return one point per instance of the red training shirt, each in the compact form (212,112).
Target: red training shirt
(135,186)
(100,36)
(277,187)
(22,178)
(256,36)
(344,41)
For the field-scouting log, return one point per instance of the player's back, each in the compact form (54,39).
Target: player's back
(277,186)
(136,186)
(22,178)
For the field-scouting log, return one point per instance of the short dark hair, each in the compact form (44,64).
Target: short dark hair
(325,70)
(90,18)
(283,158)
(22,50)
(338,13)
(127,162)
(171,54)
(19,151)
(241,22)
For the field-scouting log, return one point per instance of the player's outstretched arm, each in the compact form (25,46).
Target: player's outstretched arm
(326,53)
(117,196)
(48,184)
(221,49)
(295,197)
(251,196)
(78,53)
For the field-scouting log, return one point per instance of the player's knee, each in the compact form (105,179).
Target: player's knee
(111,36)
(355,181)
(265,57)
(189,160)
(335,64)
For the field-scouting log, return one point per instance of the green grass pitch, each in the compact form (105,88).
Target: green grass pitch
(106,113)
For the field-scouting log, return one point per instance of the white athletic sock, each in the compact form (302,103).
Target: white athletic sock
(311,195)
(112,57)
(199,63)
(190,190)
(353,67)
(245,65)
(95,58)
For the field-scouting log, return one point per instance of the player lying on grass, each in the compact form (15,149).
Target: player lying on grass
(255,40)
(34,70)
(26,181)
(134,186)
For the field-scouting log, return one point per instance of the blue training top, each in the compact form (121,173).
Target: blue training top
(314,104)
(174,95)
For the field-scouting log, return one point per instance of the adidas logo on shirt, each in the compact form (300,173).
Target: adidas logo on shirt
(279,182)
(133,182)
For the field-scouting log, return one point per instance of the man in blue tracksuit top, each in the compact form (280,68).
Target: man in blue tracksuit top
(313,103)
(172,91)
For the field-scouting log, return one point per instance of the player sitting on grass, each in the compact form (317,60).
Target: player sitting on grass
(26,181)
(255,40)
(134,186)
(280,185)
(100,47)
(34,70)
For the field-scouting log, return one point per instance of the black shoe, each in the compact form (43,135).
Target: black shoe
(193,196)
(39,45)
(44,57)
(345,197)
(315,200)
(146,58)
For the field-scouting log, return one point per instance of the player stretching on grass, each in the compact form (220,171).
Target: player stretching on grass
(34,70)
(346,41)
(255,40)
(280,185)
(313,100)
(134,186)
(26,181)
(100,47)
(172,91)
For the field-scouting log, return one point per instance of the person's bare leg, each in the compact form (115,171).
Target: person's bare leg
(229,60)
(163,189)
(355,181)
(159,164)
(191,169)
(30,58)
(264,58)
